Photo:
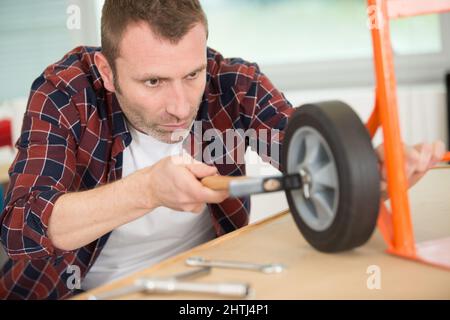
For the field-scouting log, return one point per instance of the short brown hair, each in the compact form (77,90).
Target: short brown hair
(168,19)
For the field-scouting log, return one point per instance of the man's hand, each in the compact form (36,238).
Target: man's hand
(79,218)
(419,159)
(173,182)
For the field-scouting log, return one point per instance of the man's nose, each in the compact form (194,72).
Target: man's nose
(178,102)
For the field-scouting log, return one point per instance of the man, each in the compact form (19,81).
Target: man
(93,187)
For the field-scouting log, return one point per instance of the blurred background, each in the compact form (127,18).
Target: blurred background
(311,50)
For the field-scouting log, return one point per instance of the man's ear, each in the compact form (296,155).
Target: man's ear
(105,71)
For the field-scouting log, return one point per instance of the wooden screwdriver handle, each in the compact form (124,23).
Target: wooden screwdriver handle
(220,182)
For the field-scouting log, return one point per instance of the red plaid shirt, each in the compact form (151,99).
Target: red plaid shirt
(72,139)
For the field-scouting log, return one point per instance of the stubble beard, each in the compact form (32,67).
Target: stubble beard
(152,128)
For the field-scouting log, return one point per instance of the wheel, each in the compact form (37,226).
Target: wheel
(328,145)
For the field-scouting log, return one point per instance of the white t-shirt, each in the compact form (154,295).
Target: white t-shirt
(156,236)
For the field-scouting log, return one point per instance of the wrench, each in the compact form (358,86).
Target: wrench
(173,284)
(138,284)
(265,268)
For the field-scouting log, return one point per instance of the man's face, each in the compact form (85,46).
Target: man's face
(159,85)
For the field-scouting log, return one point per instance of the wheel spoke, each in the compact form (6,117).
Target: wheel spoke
(326,176)
(323,210)
(312,148)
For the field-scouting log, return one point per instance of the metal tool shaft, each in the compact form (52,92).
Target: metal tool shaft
(244,186)
(140,284)
(231,290)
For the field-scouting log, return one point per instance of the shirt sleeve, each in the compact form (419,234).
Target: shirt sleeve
(265,111)
(42,171)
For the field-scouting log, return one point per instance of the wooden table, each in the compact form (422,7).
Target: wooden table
(314,275)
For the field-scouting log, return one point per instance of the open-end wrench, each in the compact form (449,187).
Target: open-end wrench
(265,268)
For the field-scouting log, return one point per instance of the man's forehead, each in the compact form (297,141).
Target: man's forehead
(141,50)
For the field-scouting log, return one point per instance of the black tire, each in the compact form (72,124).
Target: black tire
(357,171)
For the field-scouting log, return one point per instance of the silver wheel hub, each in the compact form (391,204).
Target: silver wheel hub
(310,156)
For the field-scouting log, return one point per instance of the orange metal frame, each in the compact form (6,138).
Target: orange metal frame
(396,226)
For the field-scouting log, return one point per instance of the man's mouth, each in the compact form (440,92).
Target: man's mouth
(175,126)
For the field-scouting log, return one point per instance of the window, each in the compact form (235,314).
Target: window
(34,34)
(300,44)
(314,43)
(279,32)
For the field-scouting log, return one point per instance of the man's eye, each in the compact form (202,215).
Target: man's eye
(152,82)
(193,75)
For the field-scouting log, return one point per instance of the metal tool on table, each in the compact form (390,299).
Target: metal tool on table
(265,268)
(177,283)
